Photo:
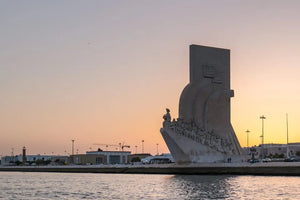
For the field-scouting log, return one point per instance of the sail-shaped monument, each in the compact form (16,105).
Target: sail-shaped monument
(203,131)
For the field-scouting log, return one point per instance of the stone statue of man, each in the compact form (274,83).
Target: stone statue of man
(167,116)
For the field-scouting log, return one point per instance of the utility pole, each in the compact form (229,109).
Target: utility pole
(24,156)
(262,136)
(73,147)
(287,136)
(12,155)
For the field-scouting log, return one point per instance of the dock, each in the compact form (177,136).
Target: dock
(274,169)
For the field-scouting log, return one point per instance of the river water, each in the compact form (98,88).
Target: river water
(33,185)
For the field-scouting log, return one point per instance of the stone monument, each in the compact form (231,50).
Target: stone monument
(203,131)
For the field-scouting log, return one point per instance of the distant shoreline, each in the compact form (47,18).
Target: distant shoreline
(274,169)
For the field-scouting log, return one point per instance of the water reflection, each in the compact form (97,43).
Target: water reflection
(235,187)
(201,187)
(16,185)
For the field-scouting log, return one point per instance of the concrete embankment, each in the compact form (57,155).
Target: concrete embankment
(280,169)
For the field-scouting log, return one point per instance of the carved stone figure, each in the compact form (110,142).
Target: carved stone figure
(167,116)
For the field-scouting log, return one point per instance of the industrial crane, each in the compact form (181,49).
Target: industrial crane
(125,146)
(114,145)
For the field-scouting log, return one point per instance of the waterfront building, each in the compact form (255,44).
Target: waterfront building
(33,159)
(101,157)
(8,160)
(272,150)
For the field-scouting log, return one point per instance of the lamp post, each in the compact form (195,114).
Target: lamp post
(73,147)
(136,149)
(12,155)
(287,137)
(247,131)
(156,148)
(143,146)
(262,135)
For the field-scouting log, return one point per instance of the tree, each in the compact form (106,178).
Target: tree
(42,162)
(135,159)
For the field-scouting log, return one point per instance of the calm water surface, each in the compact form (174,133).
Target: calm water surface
(20,185)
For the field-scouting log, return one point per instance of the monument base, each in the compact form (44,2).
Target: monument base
(194,147)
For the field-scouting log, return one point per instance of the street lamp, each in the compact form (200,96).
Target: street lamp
(73,147)
(136,149)
(143,146)
(287,136)
(247,131)
(157,148)
(262,135)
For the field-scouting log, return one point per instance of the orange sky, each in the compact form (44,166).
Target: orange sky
(104,71)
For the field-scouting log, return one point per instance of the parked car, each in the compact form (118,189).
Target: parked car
(267,160)
(253,161)
(292,159)
(289,160)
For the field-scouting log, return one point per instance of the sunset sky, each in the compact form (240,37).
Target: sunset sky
(104,71)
